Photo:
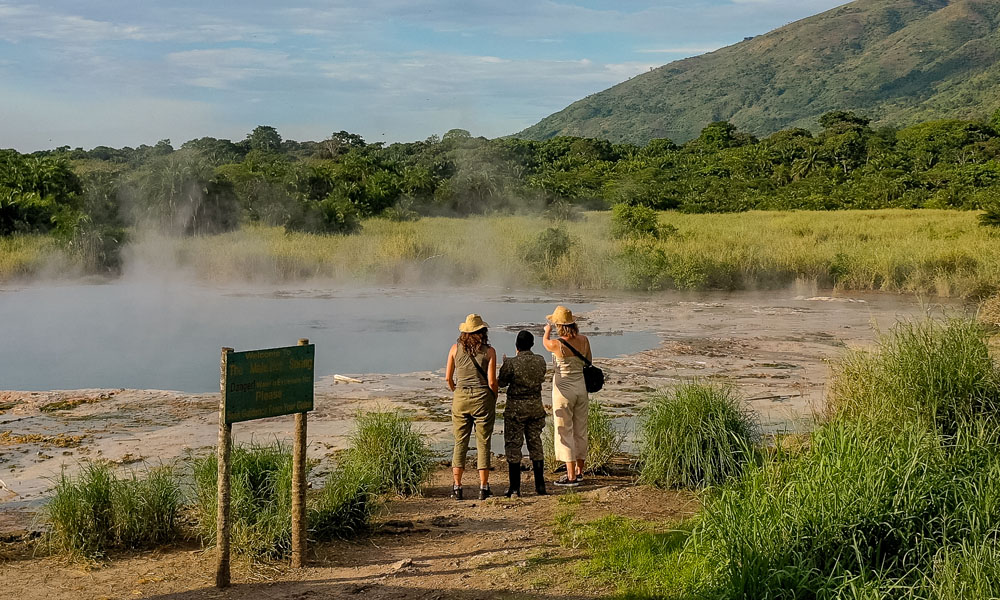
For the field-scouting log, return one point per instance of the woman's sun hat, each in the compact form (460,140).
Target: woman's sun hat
(473,323)
(561,316)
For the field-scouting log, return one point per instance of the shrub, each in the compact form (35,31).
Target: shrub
(385,448)
(634,221)
(990,217)
(548,247)
(695,435)
(937,372)
(604,440)
(95,511)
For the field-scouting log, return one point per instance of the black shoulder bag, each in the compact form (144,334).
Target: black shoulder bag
(593,377)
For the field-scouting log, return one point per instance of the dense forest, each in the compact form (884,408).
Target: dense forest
(92,199)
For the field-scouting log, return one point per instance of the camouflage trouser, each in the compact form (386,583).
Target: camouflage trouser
(517,431)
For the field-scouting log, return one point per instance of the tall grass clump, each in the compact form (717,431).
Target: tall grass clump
(96,511)
(260,495)
(897,503)
(936,372)
(344,507)
(604,439)
(695,435)
(387,450)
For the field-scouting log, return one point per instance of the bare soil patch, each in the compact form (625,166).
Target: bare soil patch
(426,547)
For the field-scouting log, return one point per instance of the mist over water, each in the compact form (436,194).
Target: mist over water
(167,334)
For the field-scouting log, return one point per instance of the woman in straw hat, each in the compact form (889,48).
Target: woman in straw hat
(472,376)
(570,401)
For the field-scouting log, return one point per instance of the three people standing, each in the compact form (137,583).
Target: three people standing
(472,376)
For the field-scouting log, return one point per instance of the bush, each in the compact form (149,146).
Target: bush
(634,221)
(548,247)
(95,511)
(695,435)
(260,497)
(990,217)
(936,372)
(603,439)
(385,448)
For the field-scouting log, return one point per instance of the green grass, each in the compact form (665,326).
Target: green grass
(899,507)
(695,435)
(23,256)
(934,372)
(935,252)
(386,448)
(261,492)
(261,497)
(96,511)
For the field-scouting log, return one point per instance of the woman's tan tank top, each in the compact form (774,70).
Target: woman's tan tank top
(466,374)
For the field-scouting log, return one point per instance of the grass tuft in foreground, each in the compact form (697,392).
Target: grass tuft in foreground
(96,511)
(695,435)
(389,452)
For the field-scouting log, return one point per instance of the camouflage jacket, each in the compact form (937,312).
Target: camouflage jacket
(523,375)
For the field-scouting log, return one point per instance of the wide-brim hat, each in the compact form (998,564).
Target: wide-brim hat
(473,323)
(561,316)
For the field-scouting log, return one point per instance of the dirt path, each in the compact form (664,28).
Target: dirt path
(428,547)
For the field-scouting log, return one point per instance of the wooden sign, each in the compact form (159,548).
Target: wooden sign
(268,383)
(256,385)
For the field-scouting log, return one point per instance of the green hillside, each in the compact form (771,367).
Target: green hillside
(896,61)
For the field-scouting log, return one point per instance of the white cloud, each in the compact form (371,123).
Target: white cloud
(224,67)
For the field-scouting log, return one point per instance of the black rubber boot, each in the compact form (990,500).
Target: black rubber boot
(514,488)
(539,467)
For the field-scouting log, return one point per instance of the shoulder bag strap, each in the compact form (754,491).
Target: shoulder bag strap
(575,351)
(482,371)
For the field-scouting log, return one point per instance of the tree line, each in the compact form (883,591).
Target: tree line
(92,199)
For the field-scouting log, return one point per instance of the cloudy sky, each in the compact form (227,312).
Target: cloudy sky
(84,73)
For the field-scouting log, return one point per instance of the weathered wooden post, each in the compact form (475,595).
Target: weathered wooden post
(225,446)
(259,384)
(299,487)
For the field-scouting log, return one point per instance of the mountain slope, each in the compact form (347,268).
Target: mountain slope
(896,61)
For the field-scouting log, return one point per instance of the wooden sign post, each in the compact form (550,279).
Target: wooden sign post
(256,385)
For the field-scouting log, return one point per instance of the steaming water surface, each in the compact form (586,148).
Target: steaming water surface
(168,336)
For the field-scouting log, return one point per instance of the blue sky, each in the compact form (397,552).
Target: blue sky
(126,73)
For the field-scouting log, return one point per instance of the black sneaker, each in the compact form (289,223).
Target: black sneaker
(567,482)
(456,492)
(484,493)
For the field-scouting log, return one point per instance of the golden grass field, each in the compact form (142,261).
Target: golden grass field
(939,252)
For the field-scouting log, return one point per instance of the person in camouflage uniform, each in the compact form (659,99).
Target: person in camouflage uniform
(524,416)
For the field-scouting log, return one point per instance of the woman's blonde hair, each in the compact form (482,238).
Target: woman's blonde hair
(475,341)
(569,330)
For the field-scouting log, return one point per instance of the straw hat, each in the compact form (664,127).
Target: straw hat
(473,323)
(561,316)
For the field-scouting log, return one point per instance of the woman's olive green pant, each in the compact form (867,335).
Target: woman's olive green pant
(473,406)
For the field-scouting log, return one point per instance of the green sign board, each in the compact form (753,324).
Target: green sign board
(268,383)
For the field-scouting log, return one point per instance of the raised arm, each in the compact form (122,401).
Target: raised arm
(449,370)
(492,371)
(550,344)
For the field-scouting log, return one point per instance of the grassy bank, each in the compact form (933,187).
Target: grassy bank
(936,252)
(896,496)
